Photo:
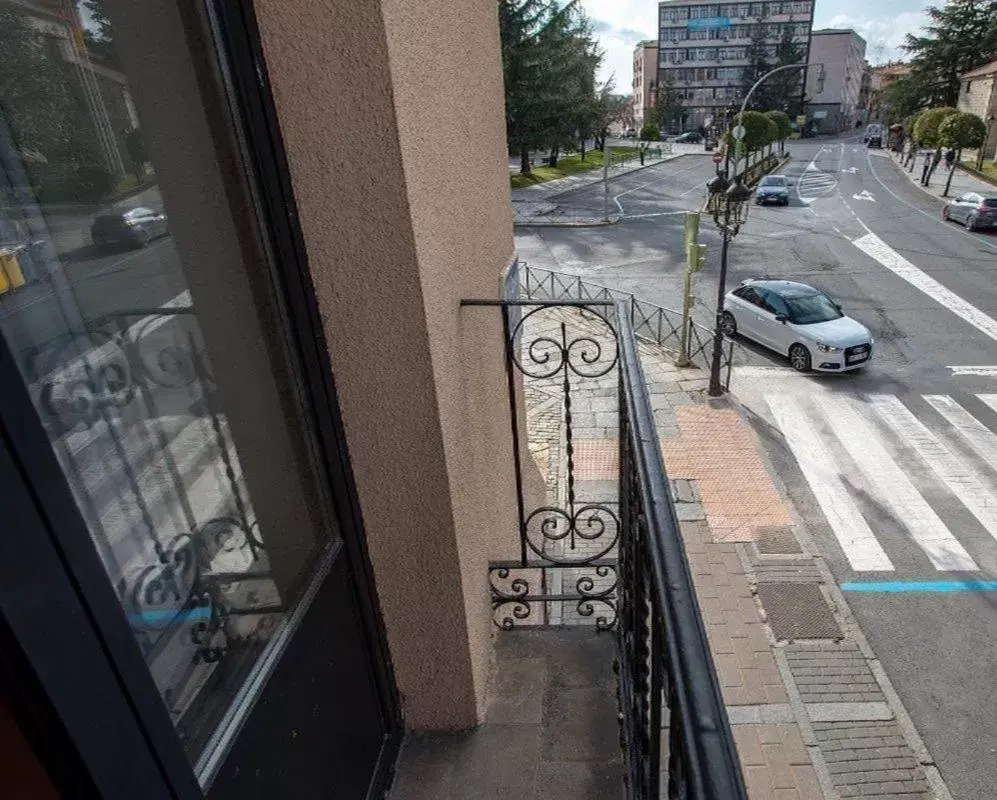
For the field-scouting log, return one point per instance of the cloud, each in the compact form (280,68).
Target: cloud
(883,35)
(620,25)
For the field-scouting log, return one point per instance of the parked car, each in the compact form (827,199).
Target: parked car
(134,227)
(772,189)
(874,135)
(690,137)
(799,322)
(973,210)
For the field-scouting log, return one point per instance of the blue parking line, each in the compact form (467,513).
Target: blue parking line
(920,586)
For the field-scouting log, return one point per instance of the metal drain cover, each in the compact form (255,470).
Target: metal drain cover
(798,611)
(777,540)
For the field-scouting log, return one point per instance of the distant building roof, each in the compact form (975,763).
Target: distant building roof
(832,31)
(986,69)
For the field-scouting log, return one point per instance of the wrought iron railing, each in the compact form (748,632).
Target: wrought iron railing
(615,561)
(651,323)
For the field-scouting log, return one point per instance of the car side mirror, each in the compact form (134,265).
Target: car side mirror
(840,309)
(781,318)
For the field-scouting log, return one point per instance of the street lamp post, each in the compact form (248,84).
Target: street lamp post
(728,205)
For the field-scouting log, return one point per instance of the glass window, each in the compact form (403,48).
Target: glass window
(811,309)
(775,304)
(135,330)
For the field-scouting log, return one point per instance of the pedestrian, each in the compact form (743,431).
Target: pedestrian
(926,169)
(949,159)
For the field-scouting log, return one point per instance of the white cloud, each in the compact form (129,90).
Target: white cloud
(883,35)
(619,25)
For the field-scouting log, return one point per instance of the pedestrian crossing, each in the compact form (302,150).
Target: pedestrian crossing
(926,464)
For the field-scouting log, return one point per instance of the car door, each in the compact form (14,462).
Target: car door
(781,333)
(743,306)
(764,323)
(964,206)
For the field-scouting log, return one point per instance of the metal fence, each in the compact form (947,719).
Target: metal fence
(651,323)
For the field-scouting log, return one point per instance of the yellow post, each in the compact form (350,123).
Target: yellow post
(10,271)
(695,256)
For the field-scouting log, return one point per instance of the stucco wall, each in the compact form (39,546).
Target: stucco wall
(379,113)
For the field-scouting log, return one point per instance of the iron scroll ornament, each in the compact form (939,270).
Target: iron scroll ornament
(548,356)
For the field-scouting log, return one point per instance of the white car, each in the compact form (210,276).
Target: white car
(798,321)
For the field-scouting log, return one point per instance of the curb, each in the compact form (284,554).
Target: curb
(981,176)
(673,157)
(916,183)
(602,223)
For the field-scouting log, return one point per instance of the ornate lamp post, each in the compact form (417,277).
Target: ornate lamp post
(728,204)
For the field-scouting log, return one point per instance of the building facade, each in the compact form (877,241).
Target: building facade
(881,77)
(835,106)
(703,49)
(645,81)
(978,95)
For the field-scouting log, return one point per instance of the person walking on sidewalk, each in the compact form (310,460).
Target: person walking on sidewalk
(926,168)
(949,159)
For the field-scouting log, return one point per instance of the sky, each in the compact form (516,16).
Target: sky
(620,24)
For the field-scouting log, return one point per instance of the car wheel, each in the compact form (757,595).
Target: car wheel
(799,358)
(728,324)
(971,222)
(945,213)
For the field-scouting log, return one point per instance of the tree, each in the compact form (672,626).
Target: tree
(786,87)
(904,97)
(667,105)
(759,131)
(758,65)
(783,125)
(959,131)
(549,59)
(650,132)
(99,35)
(928,123)
(960,36)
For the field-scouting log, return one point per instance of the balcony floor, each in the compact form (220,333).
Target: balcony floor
(550,732)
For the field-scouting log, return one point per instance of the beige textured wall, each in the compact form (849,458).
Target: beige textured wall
(447,84)
(396,235)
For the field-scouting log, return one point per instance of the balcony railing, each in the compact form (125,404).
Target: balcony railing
(616,561)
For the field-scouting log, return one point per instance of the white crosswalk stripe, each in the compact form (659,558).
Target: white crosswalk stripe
(976,434)
(866,448)
(961,480)
(857,540)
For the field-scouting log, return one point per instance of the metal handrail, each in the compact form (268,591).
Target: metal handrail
(707,766)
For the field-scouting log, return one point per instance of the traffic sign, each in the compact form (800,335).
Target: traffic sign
(738,132)
(718,157)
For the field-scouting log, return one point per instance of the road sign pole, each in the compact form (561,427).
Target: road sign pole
(605,181)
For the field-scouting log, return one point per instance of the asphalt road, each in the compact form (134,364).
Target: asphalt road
(892,470)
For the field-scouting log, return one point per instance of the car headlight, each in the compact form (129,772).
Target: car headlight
(828,348)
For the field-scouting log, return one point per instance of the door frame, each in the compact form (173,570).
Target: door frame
(227,49)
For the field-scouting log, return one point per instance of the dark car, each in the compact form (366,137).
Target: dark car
(772,189)
(692,137)
(973,210)
(874,136)
(134,227)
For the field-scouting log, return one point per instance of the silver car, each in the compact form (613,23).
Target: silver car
(134,227)
(973,210)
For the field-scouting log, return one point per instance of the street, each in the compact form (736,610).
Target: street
(892,470)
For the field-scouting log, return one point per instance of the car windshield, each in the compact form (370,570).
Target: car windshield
(809,309)
(772,180)
(990,202)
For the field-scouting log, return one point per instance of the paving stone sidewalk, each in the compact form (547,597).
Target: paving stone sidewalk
(962,182)
(813,714)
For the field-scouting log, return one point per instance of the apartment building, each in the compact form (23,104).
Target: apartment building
(834,106)
(645,80)
(703,48)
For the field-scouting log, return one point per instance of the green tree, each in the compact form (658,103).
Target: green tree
(960,36)
(758,64)
(959,131)
(759,131)
(667,106)
(783,125)
(549,59)
(928,124)
(905,97)
(786,87)
(650,132)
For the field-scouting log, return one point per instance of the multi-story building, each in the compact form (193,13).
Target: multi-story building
(703,49)
(834,106)
(978,95)
(645,80)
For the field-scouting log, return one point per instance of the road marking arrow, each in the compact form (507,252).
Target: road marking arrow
(851,170)
(864,195)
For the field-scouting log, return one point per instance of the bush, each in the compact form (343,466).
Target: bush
(962,130)
(650,132)
(928,123)
(783,124)
(67,183)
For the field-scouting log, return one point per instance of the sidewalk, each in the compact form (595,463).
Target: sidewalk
(962,182)
(813,713)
